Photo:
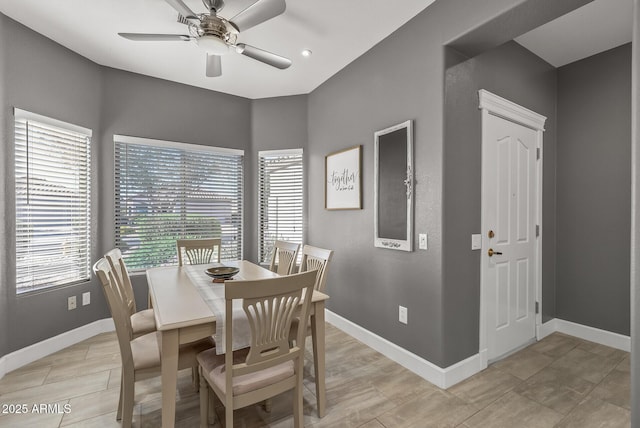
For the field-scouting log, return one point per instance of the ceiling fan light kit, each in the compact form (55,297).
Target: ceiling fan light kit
(216,35)
(213,45)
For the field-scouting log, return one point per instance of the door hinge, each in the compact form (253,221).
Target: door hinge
(537,230)
(538,153)
(537,308)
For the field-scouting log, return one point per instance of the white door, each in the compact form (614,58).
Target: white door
(510,260)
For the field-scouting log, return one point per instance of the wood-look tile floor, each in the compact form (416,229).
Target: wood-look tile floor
(560,381)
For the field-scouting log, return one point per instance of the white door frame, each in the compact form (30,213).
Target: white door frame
(491,104)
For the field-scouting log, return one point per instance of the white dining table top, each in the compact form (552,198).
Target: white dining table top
(177,303)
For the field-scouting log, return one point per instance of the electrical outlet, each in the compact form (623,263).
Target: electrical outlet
(71,303)
(402,314)
(86,298)
(422,244)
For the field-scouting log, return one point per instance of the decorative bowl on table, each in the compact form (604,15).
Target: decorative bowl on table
(222,273)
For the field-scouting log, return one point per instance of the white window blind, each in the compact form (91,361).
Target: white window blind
(281,198)
(166,191)
(53,202)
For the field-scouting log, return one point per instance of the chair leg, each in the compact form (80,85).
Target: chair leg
(127,400)
(298,415)
(268,404)
(204,401)
(228,416)
(212,407)
(194,377)
(119,413)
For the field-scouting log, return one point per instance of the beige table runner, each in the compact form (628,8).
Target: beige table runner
(213,295)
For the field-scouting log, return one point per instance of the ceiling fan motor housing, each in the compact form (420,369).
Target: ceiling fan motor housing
(214,36)
(214,26)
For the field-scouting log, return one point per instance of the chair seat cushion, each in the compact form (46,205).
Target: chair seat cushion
(143,322)
(213,367)
(146,351)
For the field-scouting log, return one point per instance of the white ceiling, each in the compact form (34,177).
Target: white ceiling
(337,31)
(596,27)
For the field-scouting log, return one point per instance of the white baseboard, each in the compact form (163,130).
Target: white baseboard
(447,377)
(34,352)
(546,329)
(603,337)
(3,366)
(443,378)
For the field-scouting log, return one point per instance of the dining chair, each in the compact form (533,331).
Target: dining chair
(318,259)
(198,251)
(141,355)
(271,365)
(142,322)
(283,258)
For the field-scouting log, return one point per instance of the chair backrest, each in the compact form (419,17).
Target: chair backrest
(314,258)
(117,306)
(283,259)
(121,275)
(270,305)
(198,251)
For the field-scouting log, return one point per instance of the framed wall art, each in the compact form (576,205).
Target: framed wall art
(343,179)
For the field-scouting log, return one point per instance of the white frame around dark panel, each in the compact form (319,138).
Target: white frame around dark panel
(400,192)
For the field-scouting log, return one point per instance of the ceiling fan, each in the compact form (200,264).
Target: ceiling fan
(218,35)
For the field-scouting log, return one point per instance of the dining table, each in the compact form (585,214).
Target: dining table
(183,314)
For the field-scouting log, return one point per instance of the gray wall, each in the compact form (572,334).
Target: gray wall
(276,123)
(42,77)
(387,85)
(635,219)
(594,193)
(5,258)
(516,74)
(147,107)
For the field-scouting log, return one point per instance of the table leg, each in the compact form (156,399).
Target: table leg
(317,337)
(169,375)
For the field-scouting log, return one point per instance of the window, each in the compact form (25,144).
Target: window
(165,191)
(53,202)
(281,198)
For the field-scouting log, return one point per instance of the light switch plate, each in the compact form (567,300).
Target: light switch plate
(402,314)
(86,298)
(422,244)
(476,241)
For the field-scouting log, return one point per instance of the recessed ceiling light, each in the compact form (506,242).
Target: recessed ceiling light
(306,53)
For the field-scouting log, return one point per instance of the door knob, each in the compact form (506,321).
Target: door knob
(491,252)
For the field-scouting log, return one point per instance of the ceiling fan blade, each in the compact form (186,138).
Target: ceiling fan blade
(214,66)
(263,56)
(182,9)
(139,37)
(257,13)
